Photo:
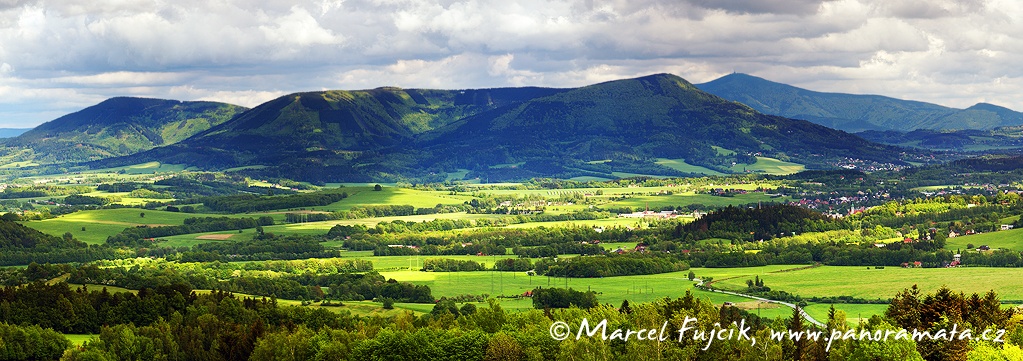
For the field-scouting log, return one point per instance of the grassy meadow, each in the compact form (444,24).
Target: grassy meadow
(1011,240)
(681,166)
(873,283)
(95,226)
(365,195)
(769,166)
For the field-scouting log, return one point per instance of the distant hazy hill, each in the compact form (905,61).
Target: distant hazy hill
(12,132)
(121,126)
(510,133)
(1003,139)
(855,113)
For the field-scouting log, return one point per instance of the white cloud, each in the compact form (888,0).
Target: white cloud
(71,53)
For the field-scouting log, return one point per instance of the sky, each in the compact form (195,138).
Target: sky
(59,56)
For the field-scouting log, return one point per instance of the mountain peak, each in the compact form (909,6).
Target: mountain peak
(988,107)
(854,112)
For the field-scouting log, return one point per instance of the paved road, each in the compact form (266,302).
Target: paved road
(801,311)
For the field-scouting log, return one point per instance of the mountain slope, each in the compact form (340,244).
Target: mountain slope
(120,126)
(351,120)
(635,119)
(332,133)
(512,133)
(855,113)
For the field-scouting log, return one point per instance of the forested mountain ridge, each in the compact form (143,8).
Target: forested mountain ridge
(353,120)
(120,126)
(656,116)
(852,112)
(616,126)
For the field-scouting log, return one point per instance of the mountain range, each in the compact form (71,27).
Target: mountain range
(507,133)
(855,113)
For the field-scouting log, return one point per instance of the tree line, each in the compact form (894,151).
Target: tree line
(241,203)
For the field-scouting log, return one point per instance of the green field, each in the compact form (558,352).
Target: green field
(631,175)
(769,166)
(723,151)
(390,195)
(589,179)
(313,228)
(884,283)
(94,287)
(1011,240)
(102,223)
(688,198)
(79,339)
(142,168)
(457,175)
(607,222)
(612,290)
(854,313)
(681,166)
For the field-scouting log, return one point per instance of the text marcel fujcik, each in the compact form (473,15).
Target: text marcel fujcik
(689,330)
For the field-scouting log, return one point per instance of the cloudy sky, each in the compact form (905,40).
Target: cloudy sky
(58,56)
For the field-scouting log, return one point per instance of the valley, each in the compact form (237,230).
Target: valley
(369,216)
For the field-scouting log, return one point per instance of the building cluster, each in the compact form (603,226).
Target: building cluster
(661,214)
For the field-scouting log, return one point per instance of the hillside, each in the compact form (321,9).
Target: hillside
(854,113)
(970,140)
(351,120)
(334,134)
(600,130)
(120,126)
(632,121)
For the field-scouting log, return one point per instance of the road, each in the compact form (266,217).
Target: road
(806,316)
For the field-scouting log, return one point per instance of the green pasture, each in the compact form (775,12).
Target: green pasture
(611,246)
(769,166)
(457,175)
(415,263)
(639,288)
(101,223)
(854,313)
(681,166)
(631,175)
(507,165)
(94,287)
(80,339)
(142,168)
(656,201)
(872,283)
(723,151)
(1011,240)
(678,191)
(126,198)
(359,196)
(21,164)
(607,222)
(614,290)
(587,178)
(312,228)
